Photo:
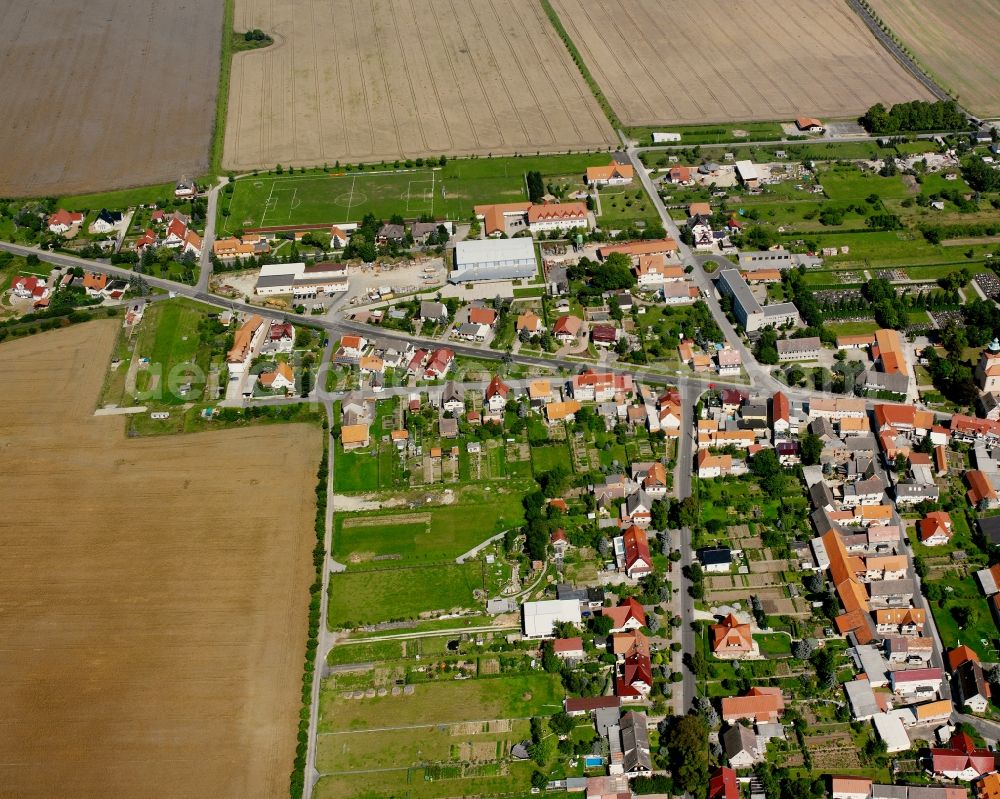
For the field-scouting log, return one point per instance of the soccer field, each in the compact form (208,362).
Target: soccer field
(446,193)
(331,199)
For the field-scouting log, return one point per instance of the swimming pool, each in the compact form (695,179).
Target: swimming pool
(593,760)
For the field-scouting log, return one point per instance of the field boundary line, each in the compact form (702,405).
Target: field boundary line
(581,65)
(887,38)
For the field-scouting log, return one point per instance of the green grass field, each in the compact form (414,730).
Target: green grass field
(447,192)
(432,534)
(369,597)
(545,458)
(162,194)
(169,339)
(513,696)
(980,632)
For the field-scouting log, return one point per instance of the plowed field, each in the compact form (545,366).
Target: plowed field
(106,94)
(367,80)
(154,592)
(957,41)
(668,61)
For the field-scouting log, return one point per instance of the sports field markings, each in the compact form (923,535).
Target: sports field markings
(268,204)
(350,199)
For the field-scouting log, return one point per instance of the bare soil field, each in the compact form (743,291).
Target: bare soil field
(154,593)
(372,80)
(956,40)
(121,95)
(712,61)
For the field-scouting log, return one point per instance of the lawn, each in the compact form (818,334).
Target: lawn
(622,206)
(430,783)
(546,458)
(851,184)
(169,338)
(365,652)
(431,534)
(852,328)
(369,597)
(512,696)
(774,645)
(980,631)
(447,192)
(374,749)
(162,194)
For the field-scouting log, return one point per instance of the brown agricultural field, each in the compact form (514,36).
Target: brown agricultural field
(372,80)
(710,61)
(956,40)
(154,592)
(106,95)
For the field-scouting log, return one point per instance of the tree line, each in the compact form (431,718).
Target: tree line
(914,116)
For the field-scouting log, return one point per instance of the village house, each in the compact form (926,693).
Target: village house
(556,412)
(962,760)
(591,386)
(653,271)
(530,322)
(731,639)
(935,529)
(567,328)
(740,746)
(757,705)
(106,221)
(62,221)
(280,338)
(627,615)
(354,436)
(632,551)
(495,398)
(614,174)
(278,379)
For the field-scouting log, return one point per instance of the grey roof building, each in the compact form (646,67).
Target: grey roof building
(750,314)
(635,743)
(494,259)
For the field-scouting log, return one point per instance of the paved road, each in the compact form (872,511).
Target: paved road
(682,489)
(759,376)
(324,636)
(205,262)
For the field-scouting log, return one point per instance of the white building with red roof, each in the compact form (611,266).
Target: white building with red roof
(62,221)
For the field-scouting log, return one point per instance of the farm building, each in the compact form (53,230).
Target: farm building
(500,259)
(809,125)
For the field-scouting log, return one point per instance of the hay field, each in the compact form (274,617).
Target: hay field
(116,95)
(957,41)
(674,62)
(152,616)
(372,80)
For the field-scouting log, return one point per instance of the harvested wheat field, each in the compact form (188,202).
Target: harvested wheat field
(372,80)
(105,95)
(956,40)
(154,592)
(668,61)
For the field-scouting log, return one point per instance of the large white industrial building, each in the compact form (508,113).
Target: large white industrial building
(494,259)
